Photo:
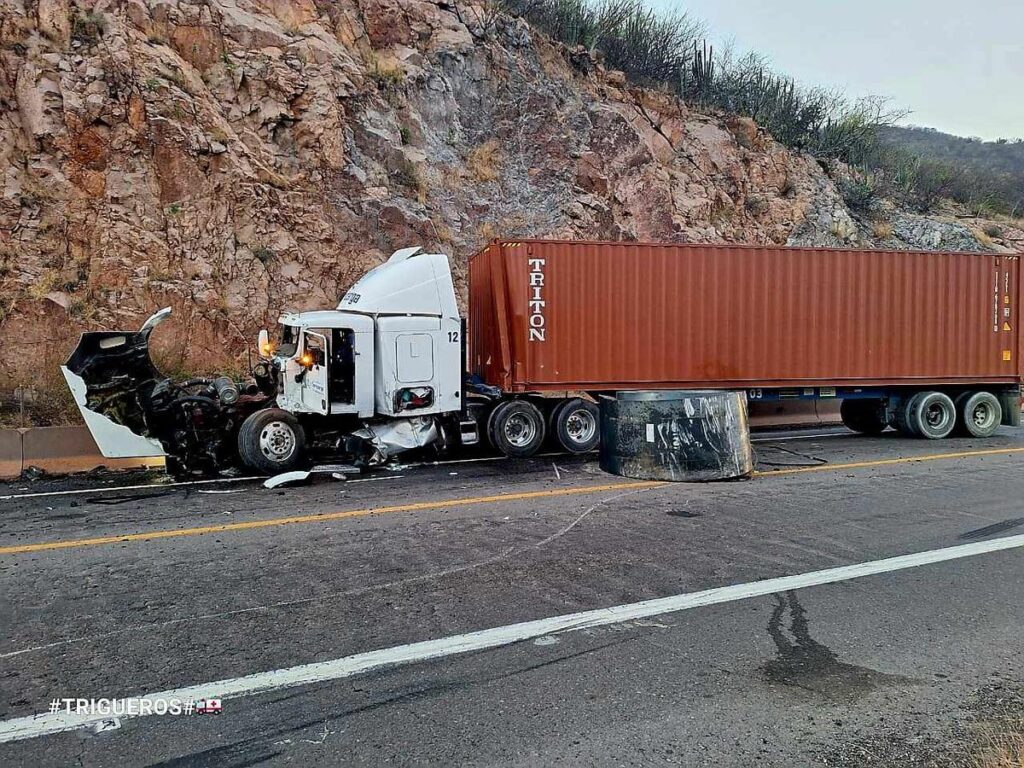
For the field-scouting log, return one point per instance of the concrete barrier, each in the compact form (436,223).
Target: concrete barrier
(59,450)
(10,452)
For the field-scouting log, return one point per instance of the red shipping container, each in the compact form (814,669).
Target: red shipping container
(564,315)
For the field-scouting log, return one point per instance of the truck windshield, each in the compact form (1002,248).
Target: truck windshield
(289,341)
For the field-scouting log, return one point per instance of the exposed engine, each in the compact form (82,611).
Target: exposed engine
(195,421)
(198,423)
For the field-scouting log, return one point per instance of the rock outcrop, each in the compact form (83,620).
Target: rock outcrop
(233,158)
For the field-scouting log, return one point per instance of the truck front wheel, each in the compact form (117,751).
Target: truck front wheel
(271,441)
(516,428)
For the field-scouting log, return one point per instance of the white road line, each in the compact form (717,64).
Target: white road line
(44,724)
(158,486)
(143,487)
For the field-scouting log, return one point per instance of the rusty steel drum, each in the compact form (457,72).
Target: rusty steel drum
(679,435)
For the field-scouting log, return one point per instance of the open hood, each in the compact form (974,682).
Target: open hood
(114,381)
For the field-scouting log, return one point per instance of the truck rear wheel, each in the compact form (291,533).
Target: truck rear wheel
(978,414)
(271,441)
(575,424)
(516,428)
(901,417)
(864,416)
(931,415)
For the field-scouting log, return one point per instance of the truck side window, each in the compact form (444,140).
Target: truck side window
(314,347)
(289,342)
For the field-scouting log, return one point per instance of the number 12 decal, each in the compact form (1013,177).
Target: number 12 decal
(453,337)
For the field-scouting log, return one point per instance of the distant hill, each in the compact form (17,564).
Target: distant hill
(999,165)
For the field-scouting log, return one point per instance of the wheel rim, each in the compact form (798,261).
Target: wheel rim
(277,441)
(936,416)
(983,415)
(581,426)
(519,430)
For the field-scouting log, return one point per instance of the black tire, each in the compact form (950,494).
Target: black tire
(978,414)
(902,420)
(864,416)
(576,425)
(516,428)
(272,441)
(932,415)
(175,468)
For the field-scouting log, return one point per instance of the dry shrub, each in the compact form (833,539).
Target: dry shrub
(842,230)
(488,231)
(881,230)
(1002,747)
(744,130)
(981,237)
(483,160)
(388,75)
(408,175)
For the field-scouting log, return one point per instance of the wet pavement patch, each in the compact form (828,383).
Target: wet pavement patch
(802,662)
(684,513)
(126,499)
(990,530)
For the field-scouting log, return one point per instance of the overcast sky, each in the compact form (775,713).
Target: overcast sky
(957,64)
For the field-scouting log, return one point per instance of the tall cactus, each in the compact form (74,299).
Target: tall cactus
(699,78)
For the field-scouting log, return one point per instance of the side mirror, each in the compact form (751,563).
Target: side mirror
(263,344)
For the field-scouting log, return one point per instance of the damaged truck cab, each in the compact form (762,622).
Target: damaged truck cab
(393,348)
(380,374)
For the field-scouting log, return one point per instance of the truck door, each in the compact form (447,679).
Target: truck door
(315,359)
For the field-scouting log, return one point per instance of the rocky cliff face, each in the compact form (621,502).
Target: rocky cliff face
(233,158)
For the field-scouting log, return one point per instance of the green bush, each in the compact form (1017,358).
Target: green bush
(264,254)
(859,194)
(88,28)
(651,48)
(664,50)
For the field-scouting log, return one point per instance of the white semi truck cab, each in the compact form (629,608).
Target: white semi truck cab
(392,348)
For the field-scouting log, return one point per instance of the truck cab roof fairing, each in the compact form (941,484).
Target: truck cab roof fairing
(409,283)
(328,318)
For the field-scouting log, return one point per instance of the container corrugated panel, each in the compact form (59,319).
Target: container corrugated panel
(548,315)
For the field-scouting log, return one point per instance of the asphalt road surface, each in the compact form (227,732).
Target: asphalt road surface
(381,620)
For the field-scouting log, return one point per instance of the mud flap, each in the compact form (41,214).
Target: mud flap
(1011,402)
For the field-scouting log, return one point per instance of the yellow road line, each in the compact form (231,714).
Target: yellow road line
(443,503)
(887,462)
(167,534)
